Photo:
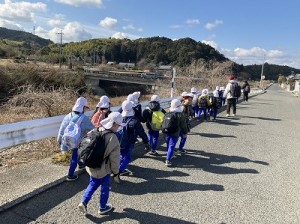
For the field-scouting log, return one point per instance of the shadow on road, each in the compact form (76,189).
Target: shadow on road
(232,121)
(211,135)
(156,182)
(141,217)
(211,162)
(262,118)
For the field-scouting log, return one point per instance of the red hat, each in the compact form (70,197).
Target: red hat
(231,77)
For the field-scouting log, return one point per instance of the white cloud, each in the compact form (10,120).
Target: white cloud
(10,25)
(77,3)
(108,22)
(72,31)
(210,26)
(175,26)
(129,27)
(211,43)
(119,35)
(57,21)
(21,11)
(193,22)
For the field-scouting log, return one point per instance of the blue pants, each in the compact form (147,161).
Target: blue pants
(73,163)
(125,156)
(93,186)
(182,141)
(171,143)
(153,139)
(204,113)
(195,109)
(214,112)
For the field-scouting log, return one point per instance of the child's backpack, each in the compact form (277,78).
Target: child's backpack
(170,123)
(235,90)
(247,88)
(157,120)
(92,148)
(202,102)
(72,133)
(126,134)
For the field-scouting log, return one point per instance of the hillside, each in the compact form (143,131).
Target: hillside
(24,37)
(144,52)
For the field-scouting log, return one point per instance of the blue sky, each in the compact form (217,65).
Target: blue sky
(246,31)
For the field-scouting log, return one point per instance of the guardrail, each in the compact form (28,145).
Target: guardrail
(26,131)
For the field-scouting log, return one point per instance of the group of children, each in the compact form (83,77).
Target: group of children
(125,126)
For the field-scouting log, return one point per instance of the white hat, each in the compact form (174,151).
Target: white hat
(216,93)
(103,104)
(204,92)
(185,94)
(104,98)
(175,106)
(131,98)
(136,96)
(194,90)
(81,102)
(222,88)
(113,117)
(155,98)
(217,88)
(127,107)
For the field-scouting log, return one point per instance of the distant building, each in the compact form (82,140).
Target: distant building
(111,63)
(165,67)
(126,65)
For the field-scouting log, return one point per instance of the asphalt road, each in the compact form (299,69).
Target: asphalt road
(242,169)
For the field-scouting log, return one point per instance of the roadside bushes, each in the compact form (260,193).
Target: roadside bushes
(38,78)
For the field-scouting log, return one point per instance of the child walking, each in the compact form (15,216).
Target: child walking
(77,115)
(151,113)
(173,123)
(187,112)
(101,176)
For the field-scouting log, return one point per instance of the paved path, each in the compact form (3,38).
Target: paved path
(238,170)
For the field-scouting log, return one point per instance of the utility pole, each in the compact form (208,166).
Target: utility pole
(173,82)
(60,48)
(262,73)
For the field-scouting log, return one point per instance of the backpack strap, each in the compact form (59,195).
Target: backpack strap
(103,133)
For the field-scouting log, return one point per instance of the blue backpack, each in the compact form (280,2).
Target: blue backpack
(126,134)
(72,133)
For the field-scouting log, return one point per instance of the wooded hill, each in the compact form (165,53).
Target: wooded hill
(144,52)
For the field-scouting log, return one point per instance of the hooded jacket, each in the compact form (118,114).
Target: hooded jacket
(227,93)
(112,153)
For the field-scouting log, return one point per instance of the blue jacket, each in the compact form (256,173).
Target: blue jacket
(86,125)
(135,128)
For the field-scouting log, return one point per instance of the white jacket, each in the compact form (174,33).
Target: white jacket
(227,93)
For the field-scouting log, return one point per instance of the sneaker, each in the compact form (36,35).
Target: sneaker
(182,151)
(71,178)
(117,179)
(153,153)
(125,172)
(227,115)
(233,115)
(168,163)
(107,208)
(82,207)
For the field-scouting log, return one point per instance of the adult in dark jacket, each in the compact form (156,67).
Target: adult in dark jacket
(153,132)
(246,90)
